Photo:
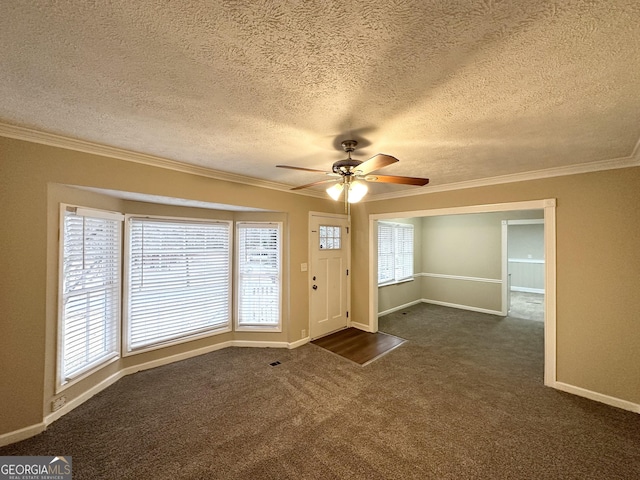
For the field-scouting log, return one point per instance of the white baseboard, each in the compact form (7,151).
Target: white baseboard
(80,399)
(32,430)
(527,290)
(362,326)
(22,434)
(463,307)
(399,307)
(437,302)
(598,397)
(175,358)
(258,344)
(298,343)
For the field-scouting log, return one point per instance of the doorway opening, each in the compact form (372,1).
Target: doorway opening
(549,303)
(523,253)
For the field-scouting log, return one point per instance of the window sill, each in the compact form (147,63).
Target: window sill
(177,341)
(398,282)
(86,372)
(259,328)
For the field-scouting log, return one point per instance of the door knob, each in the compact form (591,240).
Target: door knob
(315,287)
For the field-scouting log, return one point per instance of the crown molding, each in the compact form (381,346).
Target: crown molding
(53,140)
(632,160)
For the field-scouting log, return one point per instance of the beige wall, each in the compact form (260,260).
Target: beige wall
(598,266)
(32,180)
(598,269)
(468,245)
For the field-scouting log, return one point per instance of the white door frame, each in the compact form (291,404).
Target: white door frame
(347,244)
(549,207)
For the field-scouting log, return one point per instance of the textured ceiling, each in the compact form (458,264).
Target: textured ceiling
(457,90)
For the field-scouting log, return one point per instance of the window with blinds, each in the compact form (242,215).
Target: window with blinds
(259,276)
(395,252)
(178,281)
(89,301)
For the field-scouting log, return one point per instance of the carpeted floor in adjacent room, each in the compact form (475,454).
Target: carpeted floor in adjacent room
(462,398)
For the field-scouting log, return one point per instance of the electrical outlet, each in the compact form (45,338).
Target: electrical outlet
(304,333)
(58,403)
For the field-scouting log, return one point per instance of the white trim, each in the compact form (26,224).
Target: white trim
(79,400)
(45,138)
(528,221)
(550,338)
(527,290)
(258,344)
(30,431)
(460,277)
(395,309)
(53,140)
(462,307)
(22,434)
(86,395)
(362,326)
(486,208)
(504,268)
(298,343)
(35,429)
(632,160)
(404,280)
(526,260)
(598,397)
(435,302)
(94,212)
(87,371)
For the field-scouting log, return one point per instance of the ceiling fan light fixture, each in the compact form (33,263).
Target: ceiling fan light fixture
(357,190)
(335,190)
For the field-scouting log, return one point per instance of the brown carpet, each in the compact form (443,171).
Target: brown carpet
(461,399)
(359,346)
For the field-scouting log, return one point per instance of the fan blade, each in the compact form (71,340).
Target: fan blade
(312,184)
(374,163)
(302,168)
(394,179)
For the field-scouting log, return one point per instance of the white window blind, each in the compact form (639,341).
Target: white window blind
(395,252)
(179,279)
(259,275)
(90,291)
(386,268)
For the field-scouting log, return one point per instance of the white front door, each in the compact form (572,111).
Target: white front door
(328,273)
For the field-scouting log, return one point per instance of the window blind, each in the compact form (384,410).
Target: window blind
(90,291)
(395,252)
(404,251)
(259,275)
(386,260)
(179,279)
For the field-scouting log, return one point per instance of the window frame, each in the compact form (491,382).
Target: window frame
(62,381)
(238,327)
(395,253)
(126,297)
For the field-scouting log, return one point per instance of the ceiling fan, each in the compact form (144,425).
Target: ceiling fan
(350,174)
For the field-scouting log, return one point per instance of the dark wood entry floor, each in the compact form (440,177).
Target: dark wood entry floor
(359,346)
